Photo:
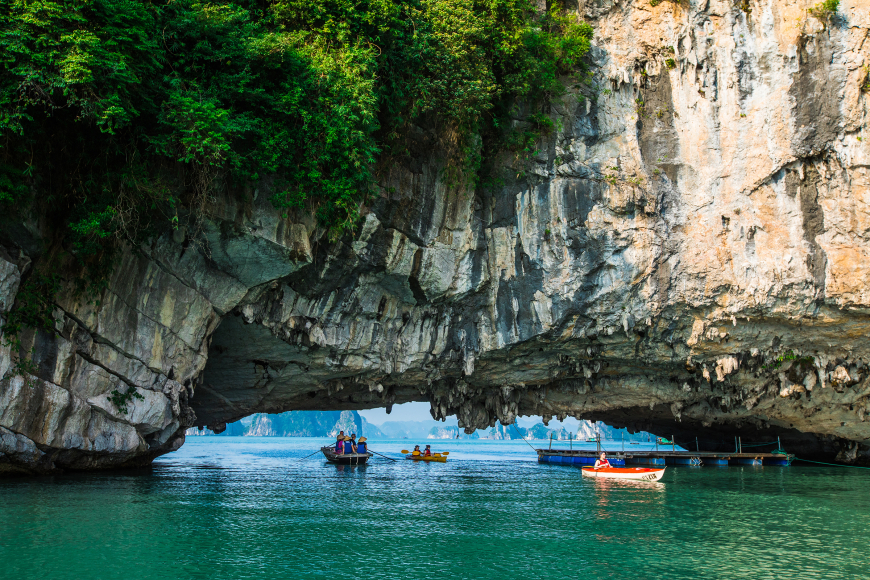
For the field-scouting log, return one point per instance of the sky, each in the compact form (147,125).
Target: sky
(406,412)
(420,412)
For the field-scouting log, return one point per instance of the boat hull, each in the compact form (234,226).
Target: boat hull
(633,473)
(346,458)
(430,459)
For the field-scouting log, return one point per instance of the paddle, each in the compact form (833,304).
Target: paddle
(384,456)
(307,456)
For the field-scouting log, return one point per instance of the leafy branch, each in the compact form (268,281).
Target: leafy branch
(121,400)
(789,355)
(33,309)
(824,11)
(149,110)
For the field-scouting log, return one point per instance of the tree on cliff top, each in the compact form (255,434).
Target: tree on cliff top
(126,116)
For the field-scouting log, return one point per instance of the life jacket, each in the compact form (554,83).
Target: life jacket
(604,463)
(428,453)
(339,447)
(360,447)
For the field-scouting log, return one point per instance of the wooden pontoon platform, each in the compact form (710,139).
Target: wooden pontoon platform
(661,458)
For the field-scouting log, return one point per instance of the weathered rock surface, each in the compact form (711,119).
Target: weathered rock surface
(688,254)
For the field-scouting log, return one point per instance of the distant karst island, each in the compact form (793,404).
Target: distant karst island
(329,423)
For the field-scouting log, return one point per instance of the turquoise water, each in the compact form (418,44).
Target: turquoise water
(227,508)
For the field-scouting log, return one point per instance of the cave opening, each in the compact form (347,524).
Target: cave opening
(414,421)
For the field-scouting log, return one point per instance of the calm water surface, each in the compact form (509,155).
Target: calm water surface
(227,508)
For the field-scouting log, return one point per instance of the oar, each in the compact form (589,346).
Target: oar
(307,456)
(382,455)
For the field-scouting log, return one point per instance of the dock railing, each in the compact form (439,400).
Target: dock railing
(743,454)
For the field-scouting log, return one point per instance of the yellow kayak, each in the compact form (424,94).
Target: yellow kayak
(437,457)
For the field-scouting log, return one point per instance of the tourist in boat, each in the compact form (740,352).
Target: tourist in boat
(361,445)
(351,443)
(339,443)
(601,462)
(416,450)
(428,451)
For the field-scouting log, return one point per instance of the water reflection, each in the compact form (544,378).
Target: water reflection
(347,468)
(604,484)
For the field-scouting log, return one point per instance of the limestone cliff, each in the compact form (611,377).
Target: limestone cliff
(689,253)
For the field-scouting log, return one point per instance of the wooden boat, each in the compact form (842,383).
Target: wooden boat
(637,473)
(346,458)
(436,457)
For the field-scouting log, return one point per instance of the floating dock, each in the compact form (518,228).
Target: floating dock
(662,458)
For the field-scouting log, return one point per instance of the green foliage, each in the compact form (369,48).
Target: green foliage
(128,115)
(787,356)
(12,186)
(121,400)
(640,107)
(825,10)
(33,308)
(670,63)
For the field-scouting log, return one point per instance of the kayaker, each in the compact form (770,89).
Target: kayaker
(601,462)
(416,450)
(361,445)
(428,451)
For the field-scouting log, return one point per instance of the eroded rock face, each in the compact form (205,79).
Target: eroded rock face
(689,254)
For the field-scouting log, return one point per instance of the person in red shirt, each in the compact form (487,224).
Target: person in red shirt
(602,462)
(427,452)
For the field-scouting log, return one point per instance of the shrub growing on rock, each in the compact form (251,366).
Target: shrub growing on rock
(126,115)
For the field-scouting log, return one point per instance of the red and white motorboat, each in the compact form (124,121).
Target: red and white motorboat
(636,473)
